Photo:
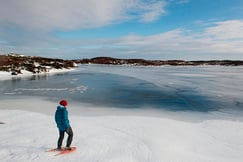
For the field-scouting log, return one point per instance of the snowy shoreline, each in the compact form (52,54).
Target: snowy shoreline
(7,75)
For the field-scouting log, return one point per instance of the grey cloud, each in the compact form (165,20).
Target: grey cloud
(73,14)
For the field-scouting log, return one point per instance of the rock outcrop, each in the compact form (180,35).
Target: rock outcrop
(14,63)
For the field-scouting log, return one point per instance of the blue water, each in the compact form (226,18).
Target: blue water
(173,88)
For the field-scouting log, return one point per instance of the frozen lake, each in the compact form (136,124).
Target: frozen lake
(203,88)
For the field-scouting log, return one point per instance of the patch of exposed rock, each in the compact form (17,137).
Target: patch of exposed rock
(14,63)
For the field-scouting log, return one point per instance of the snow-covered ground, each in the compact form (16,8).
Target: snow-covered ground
(26,136)
(7,75)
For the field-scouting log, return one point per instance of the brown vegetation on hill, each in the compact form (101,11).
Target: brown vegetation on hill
(142,62)
(14,63)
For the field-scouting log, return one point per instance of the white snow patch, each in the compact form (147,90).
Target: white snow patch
(26,136)
(7,75)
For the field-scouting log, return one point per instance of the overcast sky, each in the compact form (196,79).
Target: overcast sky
(149,29)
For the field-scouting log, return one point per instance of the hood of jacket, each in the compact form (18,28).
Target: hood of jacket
(60,107)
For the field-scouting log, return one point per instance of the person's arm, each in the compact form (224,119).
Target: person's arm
(66,121)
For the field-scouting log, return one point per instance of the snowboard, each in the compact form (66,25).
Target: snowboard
(63,151)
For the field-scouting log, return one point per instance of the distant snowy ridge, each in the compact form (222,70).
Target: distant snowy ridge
(142,62)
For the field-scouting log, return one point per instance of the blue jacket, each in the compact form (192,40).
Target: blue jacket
(61,118)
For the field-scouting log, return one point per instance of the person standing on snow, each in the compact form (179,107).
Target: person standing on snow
(61,118)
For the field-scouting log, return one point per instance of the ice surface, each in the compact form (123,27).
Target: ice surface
(211,87)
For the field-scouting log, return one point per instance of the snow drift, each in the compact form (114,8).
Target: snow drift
(26,136)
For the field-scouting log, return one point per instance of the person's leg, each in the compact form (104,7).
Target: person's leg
(70,136)
(60,139)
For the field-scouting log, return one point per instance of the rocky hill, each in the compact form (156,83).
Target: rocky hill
(142,62)
(14,63)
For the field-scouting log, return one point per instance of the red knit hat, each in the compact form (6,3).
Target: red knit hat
(63,103)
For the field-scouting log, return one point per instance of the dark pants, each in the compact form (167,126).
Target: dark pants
(69,131)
